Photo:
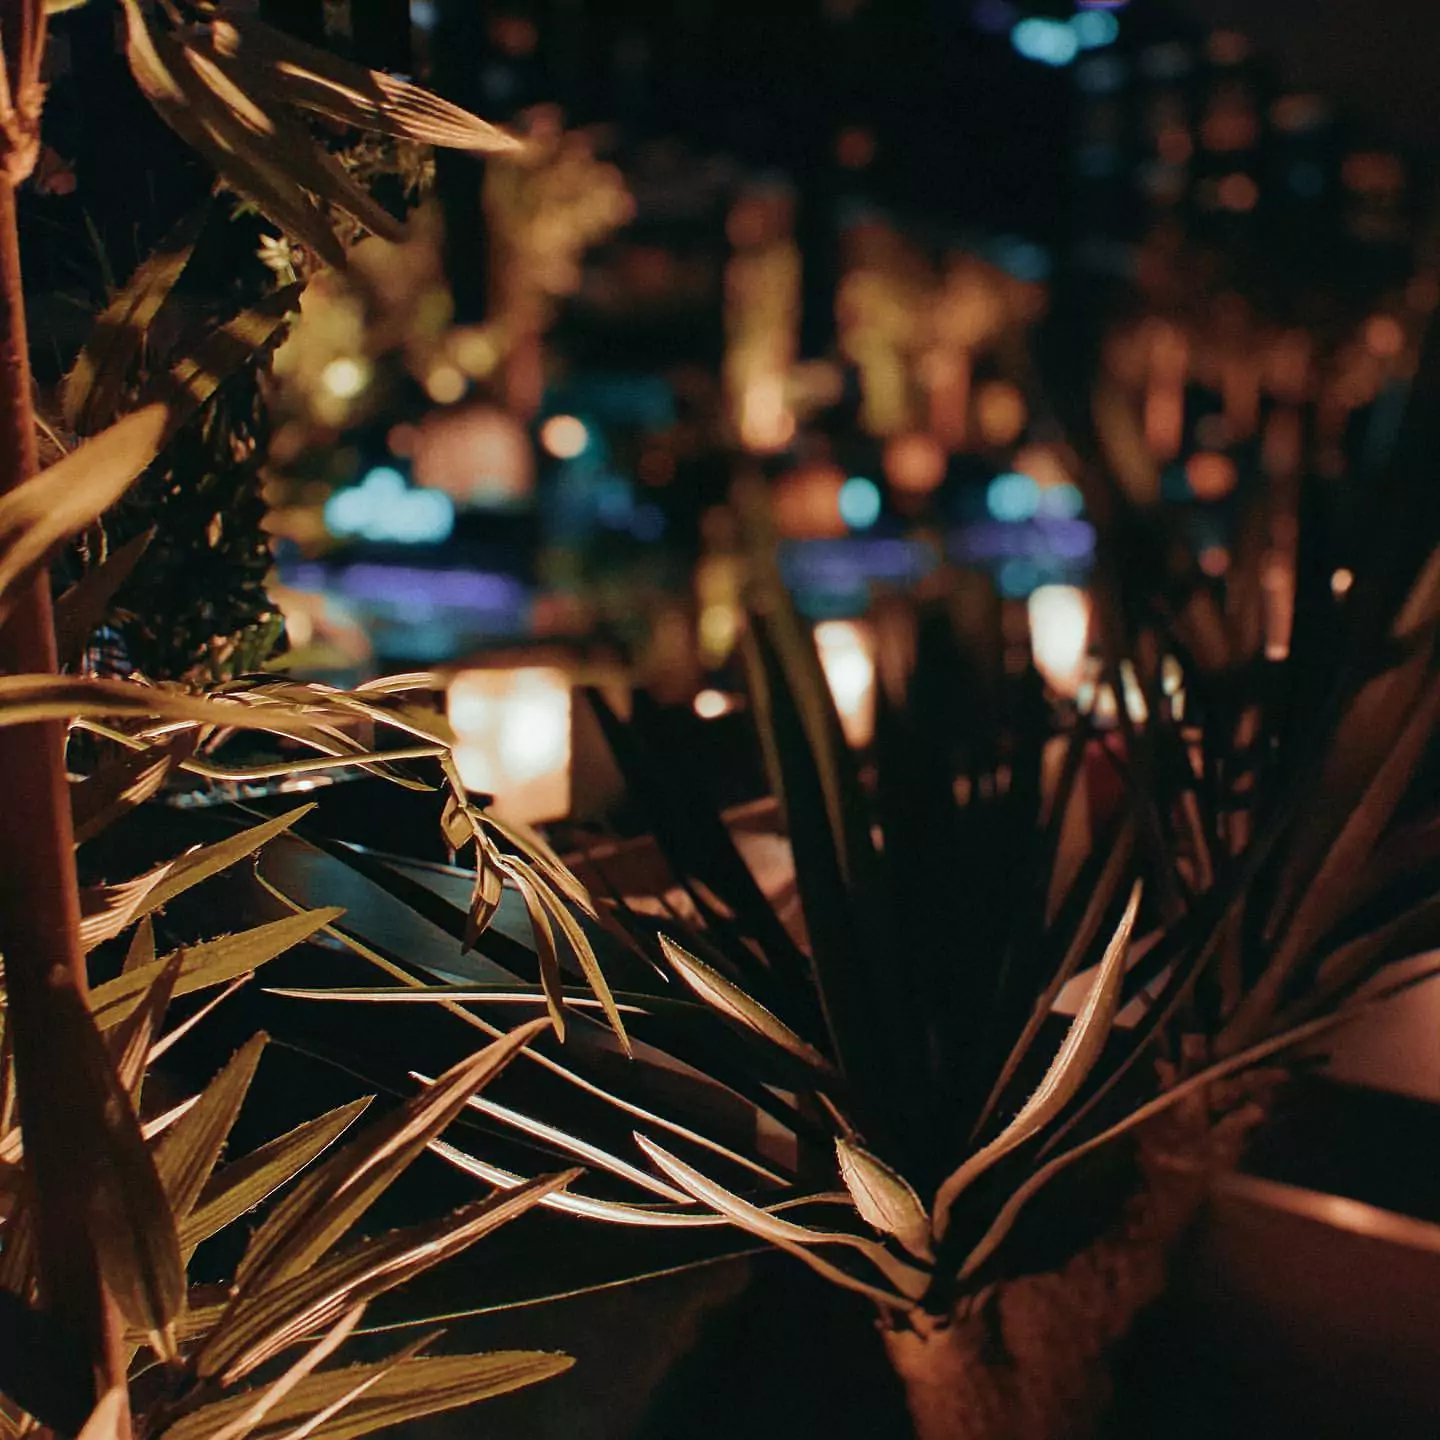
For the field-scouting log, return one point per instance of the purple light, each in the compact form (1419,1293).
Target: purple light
(1036,539)
(452,589)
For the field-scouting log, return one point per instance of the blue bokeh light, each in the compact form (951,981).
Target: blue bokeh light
(1017,577)
(859,502)
(1094,29)
(1061,502)
(383,508)
(1012,496)
(1050,42)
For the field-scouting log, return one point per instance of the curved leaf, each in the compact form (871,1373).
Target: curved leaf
(884,1199)
(1080,1049)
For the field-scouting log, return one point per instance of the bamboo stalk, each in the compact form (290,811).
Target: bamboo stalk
(39,900)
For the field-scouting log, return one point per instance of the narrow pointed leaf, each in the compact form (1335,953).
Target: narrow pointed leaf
(413,1389)
(257,1327)
(40,513)
(243,1184)
(313,1216)
(81,608)
(216,962)
(730,1000)
(1072,1063)
(189,1151)
(92,391)
(544,934)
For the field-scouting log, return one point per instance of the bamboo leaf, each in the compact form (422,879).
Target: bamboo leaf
(730,1000)
(116,787)
(413,1389)
(308,1221)
(216,962)
(106,910)
(84,605)
(189,1151)
(92,391)
(550,979)
(241,1185)
(130,1043)
(40,513)
(1072,1063)
(225,350)
(884,1198)
(316,80)
(533,848)
(257,1327)
(190,869)
(283,1384)
(142,946)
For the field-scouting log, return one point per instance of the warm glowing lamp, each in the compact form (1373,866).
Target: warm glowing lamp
(914,463)
(847,655)
(512,733)
(1060,635)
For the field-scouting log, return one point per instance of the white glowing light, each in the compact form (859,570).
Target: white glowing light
(847,655)
(1060,635)
(346,377)
(712,704)
(512,730)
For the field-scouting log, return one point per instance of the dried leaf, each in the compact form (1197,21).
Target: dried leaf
(884,1198)
(730,1000)
(1072,1063)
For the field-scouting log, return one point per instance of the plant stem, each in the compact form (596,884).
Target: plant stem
(39,899)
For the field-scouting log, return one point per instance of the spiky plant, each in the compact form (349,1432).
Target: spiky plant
(1228,862)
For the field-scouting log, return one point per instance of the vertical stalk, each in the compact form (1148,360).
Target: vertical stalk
(39,901)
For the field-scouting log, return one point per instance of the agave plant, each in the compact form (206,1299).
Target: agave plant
(1052,962)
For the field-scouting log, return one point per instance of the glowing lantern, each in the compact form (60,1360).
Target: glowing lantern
(1000,412)
(914,464)
(807,504)
(476,454)
(847,655)
(1060,635)
(512,730)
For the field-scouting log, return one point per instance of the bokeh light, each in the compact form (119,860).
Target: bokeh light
(1050,42)
(914,463)
(847,655)
(564,436)
(1060,635)
(1000,412)
(1012,497)
(859,502)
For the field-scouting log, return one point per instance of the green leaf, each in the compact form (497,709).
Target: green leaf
(91,395)
(730,1000)
(241,1185)
(884,1198)
(1072,1063)
(216,962)
(189,1151)
(313,1216)
(85,604)
(413,1389)
(258,1326)
(41,512)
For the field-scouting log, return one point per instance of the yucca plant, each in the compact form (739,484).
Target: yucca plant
(102,1201)
(1228,862)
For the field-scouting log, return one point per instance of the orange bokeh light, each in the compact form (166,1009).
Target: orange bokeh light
(1211,475)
